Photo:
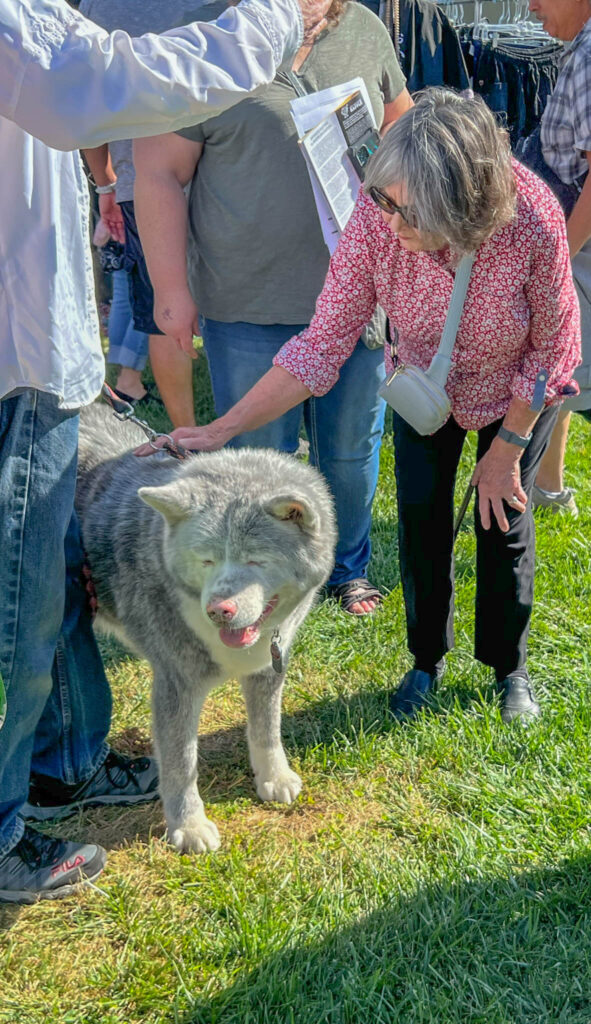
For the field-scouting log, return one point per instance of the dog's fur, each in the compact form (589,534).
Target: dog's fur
(232,544)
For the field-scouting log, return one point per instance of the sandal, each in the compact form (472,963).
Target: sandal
(150,396)
(353,591)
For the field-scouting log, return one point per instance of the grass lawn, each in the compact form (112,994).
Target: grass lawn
(434,872)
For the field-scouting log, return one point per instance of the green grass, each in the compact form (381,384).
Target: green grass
(436,872)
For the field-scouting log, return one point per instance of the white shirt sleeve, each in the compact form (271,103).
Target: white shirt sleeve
(73,85)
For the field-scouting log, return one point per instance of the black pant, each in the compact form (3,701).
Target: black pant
(425,477)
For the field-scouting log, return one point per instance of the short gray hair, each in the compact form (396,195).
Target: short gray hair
(454,160)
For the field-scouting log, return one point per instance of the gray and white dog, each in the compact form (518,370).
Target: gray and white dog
(206,568)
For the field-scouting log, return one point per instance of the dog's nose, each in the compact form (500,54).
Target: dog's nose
(224,610)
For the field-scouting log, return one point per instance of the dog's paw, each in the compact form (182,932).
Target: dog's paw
(282,788)
(195,835)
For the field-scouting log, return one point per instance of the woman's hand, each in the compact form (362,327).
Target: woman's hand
(176,315)
(202,439)
(110,212)
(498,478)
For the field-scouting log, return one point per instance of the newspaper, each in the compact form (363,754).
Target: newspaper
(328,123)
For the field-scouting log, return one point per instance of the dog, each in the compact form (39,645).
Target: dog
(206,568)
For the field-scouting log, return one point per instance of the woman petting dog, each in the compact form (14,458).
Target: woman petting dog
(443,184)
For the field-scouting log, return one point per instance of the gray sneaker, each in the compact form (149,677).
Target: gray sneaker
(563,502)
(119,781)
(43,868)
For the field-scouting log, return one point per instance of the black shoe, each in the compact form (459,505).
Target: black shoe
(150,395)
(518,699)
(413,693)
(42,868)
(119,781)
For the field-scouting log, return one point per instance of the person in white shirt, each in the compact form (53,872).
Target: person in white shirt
(66,83)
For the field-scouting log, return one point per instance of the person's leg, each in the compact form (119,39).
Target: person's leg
(72,765)
(239,354)
(505,567)
(37,477)
(345,430)
(425,477)
(549,490)
(128,348)
(551,471)
(70,737)
(173,373)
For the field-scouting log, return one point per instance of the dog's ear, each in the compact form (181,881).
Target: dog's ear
(294,510)
(172,501)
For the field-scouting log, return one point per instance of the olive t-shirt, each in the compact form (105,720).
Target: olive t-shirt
(255,250)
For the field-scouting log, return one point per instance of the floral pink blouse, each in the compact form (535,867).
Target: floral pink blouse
(521,312)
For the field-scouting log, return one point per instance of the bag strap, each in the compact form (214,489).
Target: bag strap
(441,362)
(296,84)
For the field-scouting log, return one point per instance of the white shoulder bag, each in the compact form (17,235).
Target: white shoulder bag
(419,396)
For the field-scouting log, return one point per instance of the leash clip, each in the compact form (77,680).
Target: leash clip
(124,411)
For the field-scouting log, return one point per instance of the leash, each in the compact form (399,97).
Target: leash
(125,411)
(462,509)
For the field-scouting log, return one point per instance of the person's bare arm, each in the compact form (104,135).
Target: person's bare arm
(101,168)
(271,397)
(578,228)
(164,165)
(395,109)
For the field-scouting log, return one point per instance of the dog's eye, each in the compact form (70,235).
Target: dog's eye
(207,561)
(259,564)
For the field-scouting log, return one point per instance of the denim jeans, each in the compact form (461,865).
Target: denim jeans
(127,347)
(517,83)
(59,701)
(344,427)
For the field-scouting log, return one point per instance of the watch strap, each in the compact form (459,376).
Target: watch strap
(512,438)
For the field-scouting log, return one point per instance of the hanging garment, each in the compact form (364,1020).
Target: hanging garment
(516,81)
(430,50)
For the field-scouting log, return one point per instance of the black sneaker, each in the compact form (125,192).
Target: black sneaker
(518,700)
(43,868)
(119,781)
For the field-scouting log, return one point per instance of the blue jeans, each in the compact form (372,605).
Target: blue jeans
(127,347)
(344,427)
(59,701)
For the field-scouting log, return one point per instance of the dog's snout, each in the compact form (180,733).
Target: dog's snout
(221,610)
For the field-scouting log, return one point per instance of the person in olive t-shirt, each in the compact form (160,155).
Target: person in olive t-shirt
(257,261)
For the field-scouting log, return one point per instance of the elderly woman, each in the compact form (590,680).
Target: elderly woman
(441,185)
(563,160)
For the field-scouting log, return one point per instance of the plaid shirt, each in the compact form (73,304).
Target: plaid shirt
(566,121)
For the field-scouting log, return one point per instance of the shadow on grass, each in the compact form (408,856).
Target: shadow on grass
(514,949)
(224,770)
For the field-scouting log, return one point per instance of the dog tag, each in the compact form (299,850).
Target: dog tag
(276,652)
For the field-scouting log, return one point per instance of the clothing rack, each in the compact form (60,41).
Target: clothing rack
(513,23)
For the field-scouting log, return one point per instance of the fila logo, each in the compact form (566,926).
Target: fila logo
(68,865)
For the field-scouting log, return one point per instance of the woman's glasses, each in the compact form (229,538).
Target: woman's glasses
(390,207)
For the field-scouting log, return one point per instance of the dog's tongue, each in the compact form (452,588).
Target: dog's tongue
(239,637)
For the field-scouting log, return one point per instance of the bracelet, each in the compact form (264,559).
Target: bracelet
(104,190)
(512,438)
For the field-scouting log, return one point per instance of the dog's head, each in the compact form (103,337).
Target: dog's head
(251,533)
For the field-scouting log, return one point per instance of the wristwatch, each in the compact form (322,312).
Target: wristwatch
(512,438)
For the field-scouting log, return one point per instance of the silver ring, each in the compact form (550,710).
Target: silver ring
(513,501)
